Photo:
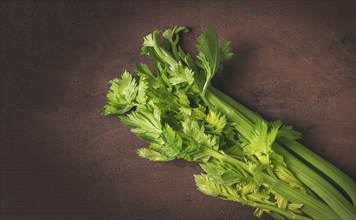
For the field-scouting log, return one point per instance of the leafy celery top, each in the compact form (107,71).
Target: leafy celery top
(175,109)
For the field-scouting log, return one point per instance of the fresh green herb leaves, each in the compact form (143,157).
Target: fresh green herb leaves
(121,96)
(210,55)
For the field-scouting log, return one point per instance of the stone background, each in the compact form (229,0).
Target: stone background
(60,159)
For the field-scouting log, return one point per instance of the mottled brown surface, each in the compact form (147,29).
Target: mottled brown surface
(61,160)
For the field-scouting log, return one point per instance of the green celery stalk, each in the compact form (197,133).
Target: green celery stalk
(312,206)
(322,188)
(277,216)
(317,184)
(344,181)
(278,213)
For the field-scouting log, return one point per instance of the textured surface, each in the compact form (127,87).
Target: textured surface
(61,160)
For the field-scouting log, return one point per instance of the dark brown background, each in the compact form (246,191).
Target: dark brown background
(61,160)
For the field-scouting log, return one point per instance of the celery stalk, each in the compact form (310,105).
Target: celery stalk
(312,206)
(344,181)
(321,187)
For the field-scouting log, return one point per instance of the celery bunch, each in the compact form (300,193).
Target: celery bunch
(245,158)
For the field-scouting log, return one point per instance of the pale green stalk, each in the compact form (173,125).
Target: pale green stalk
(340,178)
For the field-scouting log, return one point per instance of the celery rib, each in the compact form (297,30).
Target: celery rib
(344,181)
(277,216)
(317,184)
(312,206)
(282,214)
(323,189)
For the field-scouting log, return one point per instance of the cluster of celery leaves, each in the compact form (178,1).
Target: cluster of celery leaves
(245,158)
